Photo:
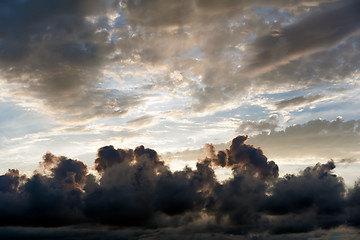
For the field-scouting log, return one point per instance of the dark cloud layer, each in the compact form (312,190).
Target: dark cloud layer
(55,51)
(135,189)
(313,34)
(55,54)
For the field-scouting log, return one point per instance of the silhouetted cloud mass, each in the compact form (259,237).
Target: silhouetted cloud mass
(136,188)
(244,158)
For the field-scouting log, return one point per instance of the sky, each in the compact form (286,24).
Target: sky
(258,94)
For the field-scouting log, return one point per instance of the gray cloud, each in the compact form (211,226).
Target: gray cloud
(160,13)
(313,34)
(294,201)
(317,138)
(297,101)
(256,127)
(54,53)
(57,54)
(244,158)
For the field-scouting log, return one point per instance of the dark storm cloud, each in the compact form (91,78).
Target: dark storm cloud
(135,188)
(244,158)
(50,199)
(298,199)
(108,156)
(354,206)
(318,32)
(54,51)
(11,181)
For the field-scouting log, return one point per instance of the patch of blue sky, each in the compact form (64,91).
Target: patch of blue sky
(299,92)
(250,112)
(14,121)
(119,22)
(329,111)
(118,35)
(243,112)
(157,103)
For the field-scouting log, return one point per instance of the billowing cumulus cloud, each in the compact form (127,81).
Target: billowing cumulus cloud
(297,199)
(136,188)
(244,157)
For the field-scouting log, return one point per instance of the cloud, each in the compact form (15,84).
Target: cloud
(10,181)
(140,122)
(136,188)
(297,199)
(298,101)
(264,125)
(318,32)
(60,56)
(54,195)
(319,138)
(55,57)
(108,156)
(244,158)
(354,206)
(164,14)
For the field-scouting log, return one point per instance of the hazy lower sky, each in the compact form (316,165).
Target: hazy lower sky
(173,75)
